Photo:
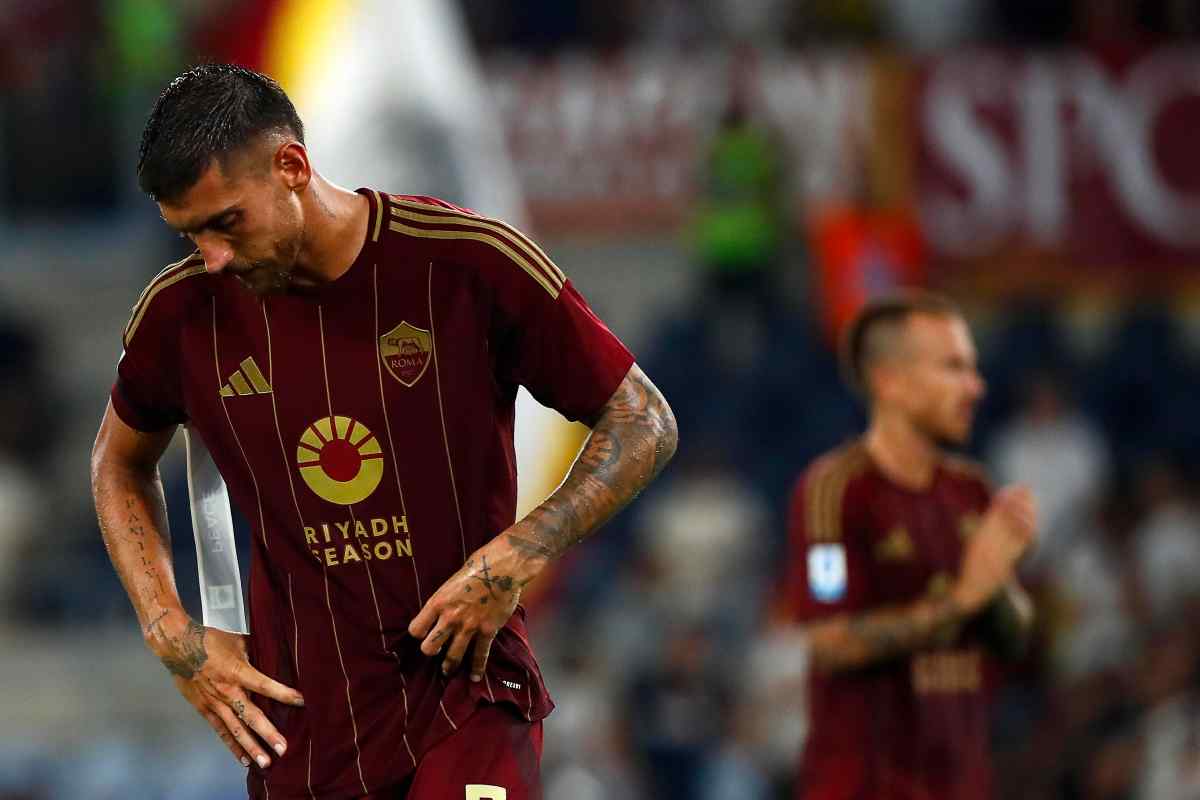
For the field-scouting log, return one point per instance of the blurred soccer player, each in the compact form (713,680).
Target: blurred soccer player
(351,361)
(902,571)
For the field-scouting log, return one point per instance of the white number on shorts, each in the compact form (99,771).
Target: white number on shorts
(482,791)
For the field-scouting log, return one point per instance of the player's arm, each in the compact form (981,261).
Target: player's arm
(632,439)
(852,641)
(209,666)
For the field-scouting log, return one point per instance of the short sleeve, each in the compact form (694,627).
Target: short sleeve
(545,336)
(146,394)
(827,571)
(565,355)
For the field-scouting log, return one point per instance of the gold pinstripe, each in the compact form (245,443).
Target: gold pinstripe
(287,469)
(378,215)
(325,569)
(387,422)
(295,627)
(437,374)
(351,425)
(495,226)
(404,734)
(446,714)
(488,683)
(159,276)
(262,524)
(500,245)
(826,490)
(151,291)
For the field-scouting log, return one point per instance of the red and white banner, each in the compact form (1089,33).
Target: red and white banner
(1087,157)
(1065,153)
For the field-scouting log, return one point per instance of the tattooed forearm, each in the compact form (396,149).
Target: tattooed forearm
(133,523)
(629,446)
(850,642)
(187,654)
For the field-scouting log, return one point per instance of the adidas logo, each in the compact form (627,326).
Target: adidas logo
(247,380)
(898,546)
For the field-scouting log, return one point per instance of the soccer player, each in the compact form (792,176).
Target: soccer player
(901,571)
(351,360)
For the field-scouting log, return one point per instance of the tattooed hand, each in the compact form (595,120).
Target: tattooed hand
(474,604)
(212,673)
(633,438)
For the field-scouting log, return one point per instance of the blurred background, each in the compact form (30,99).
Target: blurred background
(727,181)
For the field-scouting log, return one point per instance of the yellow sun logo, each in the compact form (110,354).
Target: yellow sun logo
(340,460)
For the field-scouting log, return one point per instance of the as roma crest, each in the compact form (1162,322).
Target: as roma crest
(406,350)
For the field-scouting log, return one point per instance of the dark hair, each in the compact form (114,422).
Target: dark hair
(877,324)
(210,111)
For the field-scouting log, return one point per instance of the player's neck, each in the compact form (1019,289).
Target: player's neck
(336,233)
(902,453)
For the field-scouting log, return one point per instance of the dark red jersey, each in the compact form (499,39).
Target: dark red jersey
(366,430)
(914,728)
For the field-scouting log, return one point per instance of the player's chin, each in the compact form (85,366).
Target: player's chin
(959,431)
(261,284)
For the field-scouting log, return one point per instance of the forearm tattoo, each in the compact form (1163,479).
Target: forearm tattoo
(857,641)
(630,444)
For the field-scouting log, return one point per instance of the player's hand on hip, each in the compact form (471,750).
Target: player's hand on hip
(474,604)
(1007,531)
(212,672)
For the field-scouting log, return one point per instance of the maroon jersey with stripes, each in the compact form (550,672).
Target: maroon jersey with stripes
(366,430)
(915,728)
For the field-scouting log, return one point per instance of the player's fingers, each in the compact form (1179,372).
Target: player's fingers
(483,647)
(250,678)
(252,716)
(437,638)
(225,736)
(456,651)
(424,620)
(243,736)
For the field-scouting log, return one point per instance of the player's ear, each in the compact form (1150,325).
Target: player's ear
(291,163)
(882,380)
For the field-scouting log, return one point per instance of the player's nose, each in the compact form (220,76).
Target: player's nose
(216,254)
(977,387)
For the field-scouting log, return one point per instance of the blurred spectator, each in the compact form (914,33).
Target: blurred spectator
(705,533)
(676,709)
(1091,600)
(1167,543)
(1170,731)
(740,223)
(1052,447)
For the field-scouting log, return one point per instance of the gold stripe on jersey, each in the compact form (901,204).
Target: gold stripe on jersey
(514,256)
(161,281)
(825,491)
(378,215)
(446,216)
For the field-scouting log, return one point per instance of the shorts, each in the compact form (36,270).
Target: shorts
(496,755)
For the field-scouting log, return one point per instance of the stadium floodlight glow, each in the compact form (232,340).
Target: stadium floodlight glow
(216,549)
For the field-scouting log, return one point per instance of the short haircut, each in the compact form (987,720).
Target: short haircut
(876,326)
(212,111)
